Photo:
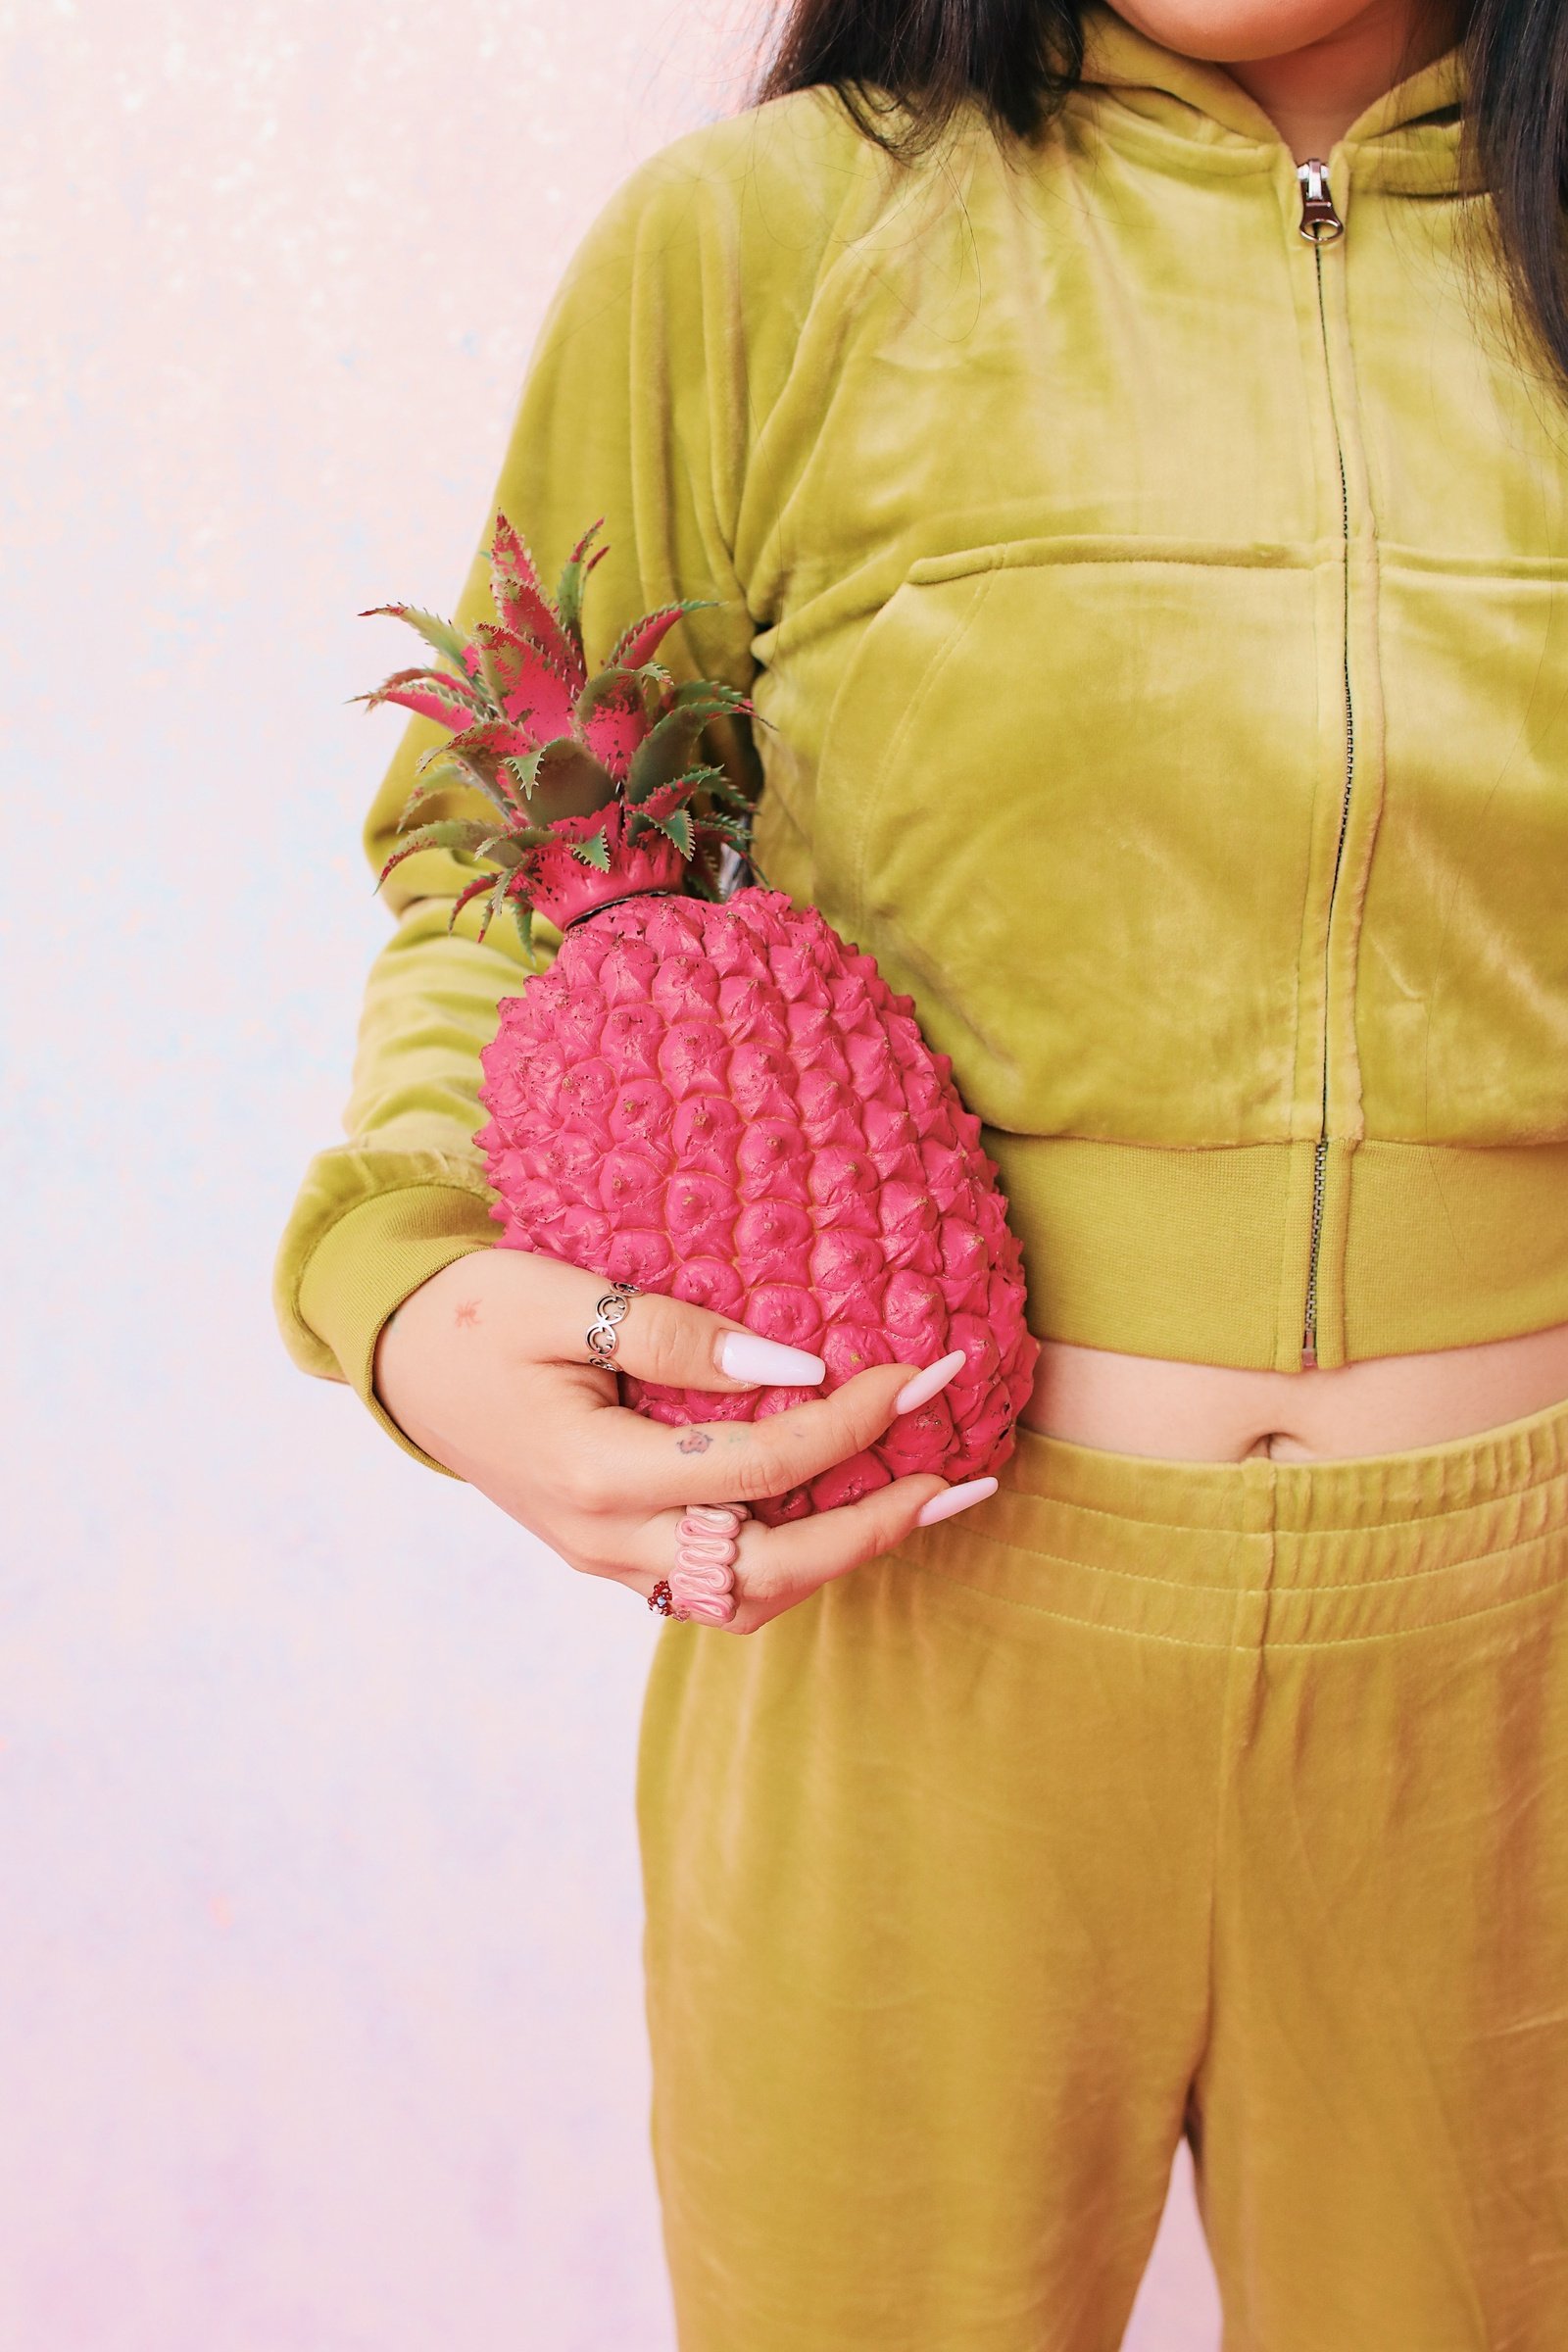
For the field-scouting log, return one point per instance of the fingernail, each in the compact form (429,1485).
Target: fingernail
(929,1383)
(954,1500)
(717,1611)
(747,1355)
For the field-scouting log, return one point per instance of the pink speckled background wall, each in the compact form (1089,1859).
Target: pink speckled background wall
(320,2022)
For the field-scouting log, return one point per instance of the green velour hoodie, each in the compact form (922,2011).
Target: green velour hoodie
(1160,624)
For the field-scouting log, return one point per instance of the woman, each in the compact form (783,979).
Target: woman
(1142,505)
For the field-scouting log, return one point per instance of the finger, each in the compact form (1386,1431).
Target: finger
(746,1461)
(705,1593)
(699,1587)
(749,1461)
(780,1566)
(786,1564)
(670,1341)
(790,1563)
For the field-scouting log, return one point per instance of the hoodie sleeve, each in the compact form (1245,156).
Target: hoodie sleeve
(636,406)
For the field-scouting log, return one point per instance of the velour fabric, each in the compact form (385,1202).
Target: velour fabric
(1156,1799)
(1158,633)
(1157,630)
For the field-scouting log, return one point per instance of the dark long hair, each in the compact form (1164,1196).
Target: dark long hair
(904,67)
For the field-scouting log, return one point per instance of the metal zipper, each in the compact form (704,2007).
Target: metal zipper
(1320,224)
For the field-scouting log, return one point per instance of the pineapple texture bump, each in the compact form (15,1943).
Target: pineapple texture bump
(726,1104)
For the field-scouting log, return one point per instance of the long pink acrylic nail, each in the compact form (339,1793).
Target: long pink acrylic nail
(747,1355)
(955,1500)
(929,1383)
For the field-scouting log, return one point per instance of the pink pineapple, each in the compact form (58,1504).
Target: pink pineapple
(704,1095)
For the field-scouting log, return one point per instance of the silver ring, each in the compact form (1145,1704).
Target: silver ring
(611,1310)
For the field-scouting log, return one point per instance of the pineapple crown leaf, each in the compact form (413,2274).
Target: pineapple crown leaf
(635,647)
(464,774)
(544,739)
(407,848)
(428,693)
(469,840)
(519,774)
(717,691)
(729,792)
(594,852)
(677,827)
(728,829)
(519,600)
(441,636)
(574,579)
(616,682)
(504,850)
(500,887)
(471,890)
(571,782)
(662,756)
(498,899)
(480,664)
(421,797)
(464,835)
(521,684)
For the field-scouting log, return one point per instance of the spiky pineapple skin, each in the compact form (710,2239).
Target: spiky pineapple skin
(726,1104)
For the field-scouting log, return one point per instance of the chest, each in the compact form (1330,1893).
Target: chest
(1170,630)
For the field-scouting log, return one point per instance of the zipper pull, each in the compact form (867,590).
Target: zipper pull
(1320,223)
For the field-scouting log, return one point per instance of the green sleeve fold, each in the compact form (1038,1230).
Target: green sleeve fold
(408,1191)
(367,1262)
(637,406)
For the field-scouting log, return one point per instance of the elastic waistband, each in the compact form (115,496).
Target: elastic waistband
(1203,1255)
(1290,1553)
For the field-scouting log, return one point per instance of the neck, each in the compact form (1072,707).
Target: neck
(1313,94)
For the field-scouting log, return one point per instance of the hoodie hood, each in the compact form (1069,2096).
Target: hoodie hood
(1412,138)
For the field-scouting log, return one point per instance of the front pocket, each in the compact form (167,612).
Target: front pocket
(1067,795)
(1463,1001)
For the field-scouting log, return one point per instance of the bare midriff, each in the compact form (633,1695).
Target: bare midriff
(1151,1406)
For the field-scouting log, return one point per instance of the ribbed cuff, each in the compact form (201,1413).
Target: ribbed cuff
(366,1265)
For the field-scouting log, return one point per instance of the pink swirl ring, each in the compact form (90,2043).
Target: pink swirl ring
(702,1581)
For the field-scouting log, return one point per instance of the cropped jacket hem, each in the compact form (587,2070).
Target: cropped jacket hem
(1191,1254)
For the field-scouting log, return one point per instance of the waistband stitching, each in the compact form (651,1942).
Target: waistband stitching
(1331,1526)
(1272,1584)
(1135,1633)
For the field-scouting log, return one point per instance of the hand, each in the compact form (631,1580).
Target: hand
(485,1366)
